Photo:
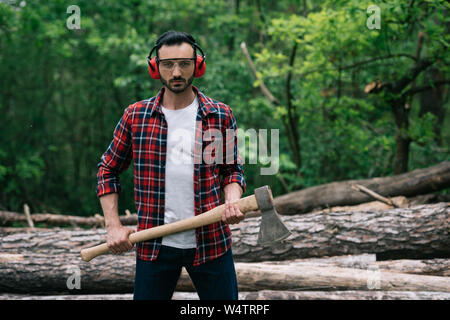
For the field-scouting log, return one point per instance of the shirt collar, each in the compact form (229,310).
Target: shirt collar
(205,103)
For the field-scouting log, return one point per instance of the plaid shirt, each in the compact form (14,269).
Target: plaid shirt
(141,136)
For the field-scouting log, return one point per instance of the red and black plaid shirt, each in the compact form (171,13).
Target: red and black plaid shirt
(141,136)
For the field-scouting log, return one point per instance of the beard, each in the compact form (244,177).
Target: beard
(178,87)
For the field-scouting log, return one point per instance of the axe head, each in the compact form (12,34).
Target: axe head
(272,228)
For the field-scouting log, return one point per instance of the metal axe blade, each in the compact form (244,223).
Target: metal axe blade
(272,228)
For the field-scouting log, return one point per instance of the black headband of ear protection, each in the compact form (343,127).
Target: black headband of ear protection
(193,44)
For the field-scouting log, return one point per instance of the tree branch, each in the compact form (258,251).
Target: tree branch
(426,88)
(292,113)
(262,86)
(421,65)
(389,56)
(292,137)
(260,13)
(357,64)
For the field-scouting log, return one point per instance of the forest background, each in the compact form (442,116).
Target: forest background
(357,89)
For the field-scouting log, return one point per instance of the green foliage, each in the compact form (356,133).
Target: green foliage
(344,133)
(62,91)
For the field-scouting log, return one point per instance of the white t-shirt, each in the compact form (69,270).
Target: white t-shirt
(179,195)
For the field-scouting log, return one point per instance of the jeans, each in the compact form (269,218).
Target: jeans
(213,280)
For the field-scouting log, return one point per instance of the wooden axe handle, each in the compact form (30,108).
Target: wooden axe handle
(214,215)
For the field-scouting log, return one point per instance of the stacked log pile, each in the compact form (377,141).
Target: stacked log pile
(371,251)
(42,261)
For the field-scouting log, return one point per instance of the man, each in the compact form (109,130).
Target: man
(170,184)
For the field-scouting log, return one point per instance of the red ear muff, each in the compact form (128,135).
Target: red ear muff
(153,68)
(200,66)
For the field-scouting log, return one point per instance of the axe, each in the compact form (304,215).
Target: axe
(271,228)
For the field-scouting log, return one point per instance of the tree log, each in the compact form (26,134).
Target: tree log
(344,295)
(250,280)
(8,218)
(401,202)
(408,184)
(42,273)
(419,232)
(431,267)
(258,295)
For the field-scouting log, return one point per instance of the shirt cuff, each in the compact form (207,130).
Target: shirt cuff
(106,188)
(234,177)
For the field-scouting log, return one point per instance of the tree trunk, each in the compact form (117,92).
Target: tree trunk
(420,181)
(399,202)
(402,233)
(432,101)
(401,152)
(249,279)
(7,218)
(431,267)
(65,273)
(435,267)
(344,295)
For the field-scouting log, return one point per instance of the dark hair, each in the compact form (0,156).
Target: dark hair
(172,37)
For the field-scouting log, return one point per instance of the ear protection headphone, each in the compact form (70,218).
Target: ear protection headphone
(153,63)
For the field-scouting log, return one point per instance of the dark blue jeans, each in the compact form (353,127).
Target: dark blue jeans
(213,280)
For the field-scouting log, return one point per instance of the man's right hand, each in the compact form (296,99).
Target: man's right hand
(117,239)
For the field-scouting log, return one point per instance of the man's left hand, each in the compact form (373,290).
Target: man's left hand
(232,214)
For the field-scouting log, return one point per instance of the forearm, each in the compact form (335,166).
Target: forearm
(110,207)
(117,235)
(232,191)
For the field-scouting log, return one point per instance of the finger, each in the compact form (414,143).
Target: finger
(121,248)
(230,218)
(226,212)
(125,245)
(117,248)
(110,246)
(230,214)
(128,245)
(113,249)
(233,217)
(240,215)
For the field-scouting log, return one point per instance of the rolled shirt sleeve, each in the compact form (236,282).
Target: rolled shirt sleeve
(231,170)
(116,159)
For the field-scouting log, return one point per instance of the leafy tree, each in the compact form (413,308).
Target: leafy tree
(350,101)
